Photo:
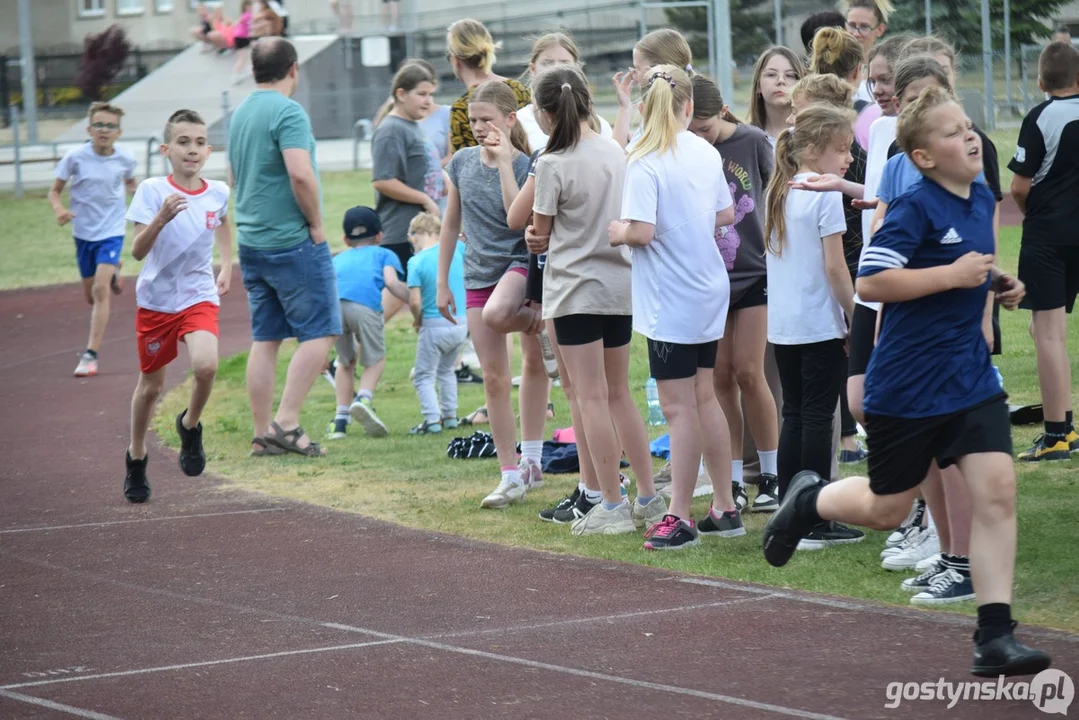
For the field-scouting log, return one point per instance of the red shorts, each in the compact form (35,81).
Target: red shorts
(157,333)
(479,298)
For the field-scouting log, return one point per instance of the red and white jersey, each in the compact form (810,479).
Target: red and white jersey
(179,267)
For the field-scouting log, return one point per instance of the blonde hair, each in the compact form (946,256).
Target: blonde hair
(757,115)
(666,47)
(499,94)
(818,126)
(881,8)
(912,129)
(425,224)
(918,67)
(931,45)
(667,90)
(556,39)
(825,89)
(104,107)
(470,42)
(835,52)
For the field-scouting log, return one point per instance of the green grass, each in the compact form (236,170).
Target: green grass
(410,480)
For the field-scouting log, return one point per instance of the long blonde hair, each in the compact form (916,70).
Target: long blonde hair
(470,42)
(667,90)
(499,94)
(819,126)
(666,47)
(757,114)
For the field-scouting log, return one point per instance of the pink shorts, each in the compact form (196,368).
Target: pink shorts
(479,298)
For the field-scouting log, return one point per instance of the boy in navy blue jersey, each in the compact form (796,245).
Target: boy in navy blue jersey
(930,389)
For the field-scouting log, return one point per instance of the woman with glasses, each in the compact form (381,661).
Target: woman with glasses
(867,20)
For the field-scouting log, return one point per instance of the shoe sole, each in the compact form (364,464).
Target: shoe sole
(1049,457)
(87,373)
(695,542)
(370,424)
(899,568)
(140,500)
(619,529)
(940,601)
(336,436)
(702,490)
(780,555)
(763,508)
(724,533)
(805,544)
(1030,666)
(913,590)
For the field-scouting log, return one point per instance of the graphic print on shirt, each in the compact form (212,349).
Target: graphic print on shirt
(727,238)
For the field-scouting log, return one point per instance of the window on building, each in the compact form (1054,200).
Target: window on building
(163,6)
(91,8)
(129,7)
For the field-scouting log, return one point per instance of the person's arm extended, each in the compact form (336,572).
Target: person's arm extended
(301,175)
(63,215)
(830,183)
(521,208)
(508,180)
(393,283)
(835,265)
(397,190)
(415,303)
(623,83)
(725,217)
(991,296)
(878,218)
(1021,191)
(633,233)
(904,284)
(223,238)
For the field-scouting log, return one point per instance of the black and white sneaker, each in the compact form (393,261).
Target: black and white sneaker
(923,581)
(950,586)
(671,533)
(767,499)
(729,524)
(192,456)
(564,504)
(580,507)
(741,500)
(914,518)
(465,375)
(829,534)
(786,528)
(136,487)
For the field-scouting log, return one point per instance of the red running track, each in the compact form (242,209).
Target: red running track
(207,603)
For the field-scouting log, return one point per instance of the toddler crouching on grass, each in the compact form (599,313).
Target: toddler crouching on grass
(440,340)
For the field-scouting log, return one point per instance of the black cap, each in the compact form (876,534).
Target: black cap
(362,222)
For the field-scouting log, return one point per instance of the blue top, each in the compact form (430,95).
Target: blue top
(359,274)
(423,273)
(931,358)
(900,174)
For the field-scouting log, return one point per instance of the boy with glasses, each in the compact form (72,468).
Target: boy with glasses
(101,176)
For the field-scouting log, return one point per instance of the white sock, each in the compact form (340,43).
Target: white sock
(736,472)
(532,450)
(769,461)
(593,496)
(931,525)
(582,487)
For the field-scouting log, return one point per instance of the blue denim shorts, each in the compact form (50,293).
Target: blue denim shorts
(292,292)
(91,253)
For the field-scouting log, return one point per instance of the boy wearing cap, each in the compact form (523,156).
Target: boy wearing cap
(362,272)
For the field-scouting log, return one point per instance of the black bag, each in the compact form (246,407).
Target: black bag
(478,445)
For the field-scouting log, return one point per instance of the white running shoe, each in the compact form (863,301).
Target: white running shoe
(910,532)
(87,366)
(605,522)
(531,474)
(914,517)
(505,495)
(645,516)
(929,562)
(550,363)
(704,483)
(918,547)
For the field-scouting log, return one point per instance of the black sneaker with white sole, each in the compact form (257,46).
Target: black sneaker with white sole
(767,499)
(580,507)
(136,486)
(786,528)
(925,580)
(192,456)
(828,534)
(564,504)
(741,500)
(729,524)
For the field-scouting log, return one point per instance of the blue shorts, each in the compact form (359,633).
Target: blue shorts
(91,253)
(292,293)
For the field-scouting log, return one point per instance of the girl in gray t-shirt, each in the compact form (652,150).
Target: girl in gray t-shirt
(748,161)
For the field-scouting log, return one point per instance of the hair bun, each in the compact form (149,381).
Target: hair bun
(567,86)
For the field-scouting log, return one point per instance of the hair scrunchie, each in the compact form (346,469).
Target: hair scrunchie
(567,86)
(661,76)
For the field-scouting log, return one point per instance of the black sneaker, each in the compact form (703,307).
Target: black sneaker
(741,500)
(671,533)
(564,504)
(728,525)
(924,581)
(580,507)
(465,375)
(767,499)
(1005,655)
(785,528)
(828,534)
(136,488)
(192,457)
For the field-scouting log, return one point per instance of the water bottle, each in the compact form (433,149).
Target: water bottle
(655,413)
(1000,378)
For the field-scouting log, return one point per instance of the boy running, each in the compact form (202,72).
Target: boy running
(177,220)
(930,264)
(1046,187)
(101,175)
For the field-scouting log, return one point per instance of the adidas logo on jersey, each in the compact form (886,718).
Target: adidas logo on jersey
(951,237)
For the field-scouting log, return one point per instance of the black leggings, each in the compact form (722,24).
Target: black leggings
(812,377)
(847,425)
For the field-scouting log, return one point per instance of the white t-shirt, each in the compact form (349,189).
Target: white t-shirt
(179,268)
(881,136)
(801,307)
(680,285)
(537,139)
(98,197)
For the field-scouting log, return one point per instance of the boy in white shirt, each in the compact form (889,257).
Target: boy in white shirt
(177,220)
(101,175)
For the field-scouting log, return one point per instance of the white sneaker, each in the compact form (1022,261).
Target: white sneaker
(605,522)
(917,548)
(87,366)
(531,474)
(550,363)
(704,483)
(914,517)
(929,562)
(504,495)
(645,516)
(907,534)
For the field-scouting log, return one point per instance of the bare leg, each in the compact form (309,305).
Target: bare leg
(1050,329)
(960,511)
(726,386)
(99,316)
(391,305)
(261,381)
(202,351)
(750,340)
(716,440)
(142,407)
(851,501)
(88,290)
(588,471)
(933,492)
(371,375)
(304,368)
(991,479)
(534,391)
(505,312)
(855,397)
(491,349)
(345,383)
(586,368)
(678,399)
(629,424)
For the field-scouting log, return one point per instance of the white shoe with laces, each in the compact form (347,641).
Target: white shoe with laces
(918,547)
(507,493)
(929,562)
(605,522)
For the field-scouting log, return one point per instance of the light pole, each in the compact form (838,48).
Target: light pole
(29,73)
(987,67)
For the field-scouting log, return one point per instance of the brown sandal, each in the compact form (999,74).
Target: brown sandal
(286,441)
(266,449)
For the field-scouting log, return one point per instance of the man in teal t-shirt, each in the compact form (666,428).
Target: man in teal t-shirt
(285,261)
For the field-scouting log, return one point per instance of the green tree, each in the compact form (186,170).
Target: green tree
(751,29)
(960,21)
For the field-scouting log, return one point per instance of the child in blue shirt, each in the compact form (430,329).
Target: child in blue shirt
(363,271)
(930,389)
(439,340)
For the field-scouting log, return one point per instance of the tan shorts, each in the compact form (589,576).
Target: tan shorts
(360,325)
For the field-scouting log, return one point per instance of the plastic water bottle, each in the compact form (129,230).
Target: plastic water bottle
(655,413)
(1000,378)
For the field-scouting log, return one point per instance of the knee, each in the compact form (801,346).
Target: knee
(150,388)
(618,394)
(889,513)
(750,378)
(680,412)
(997,497)
(99,293)
(724,381)
(496,317)
(496,384)
(594,395)
(532,361)
(204,370)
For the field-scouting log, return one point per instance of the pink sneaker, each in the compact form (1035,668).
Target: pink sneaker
(531,474)
(671,533)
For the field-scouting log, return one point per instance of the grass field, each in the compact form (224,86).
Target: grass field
(410,480)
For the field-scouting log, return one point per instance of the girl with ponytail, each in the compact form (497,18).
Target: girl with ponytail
(665,46)
(675,198)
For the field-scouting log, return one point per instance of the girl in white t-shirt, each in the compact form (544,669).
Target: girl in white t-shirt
(675,198)
(810,293)
(659,47)
(586,295)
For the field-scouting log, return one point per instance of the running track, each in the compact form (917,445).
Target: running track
(208,603)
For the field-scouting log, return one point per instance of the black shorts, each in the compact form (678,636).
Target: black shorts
(241,42)
(671,361)
(534,284)
(1051,274)
(901,449)
(754,296)
(614,330)
(404,253)
(863,328)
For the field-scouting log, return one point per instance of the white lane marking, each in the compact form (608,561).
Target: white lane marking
(58,707)
(138,520)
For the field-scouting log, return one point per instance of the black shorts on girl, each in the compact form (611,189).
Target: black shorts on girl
(901,449)
(671,361)
(614,330)
(755,295)
(534,283)
(863,330)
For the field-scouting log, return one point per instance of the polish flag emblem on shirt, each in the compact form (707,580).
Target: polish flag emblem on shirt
(211,220)
(152,347)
